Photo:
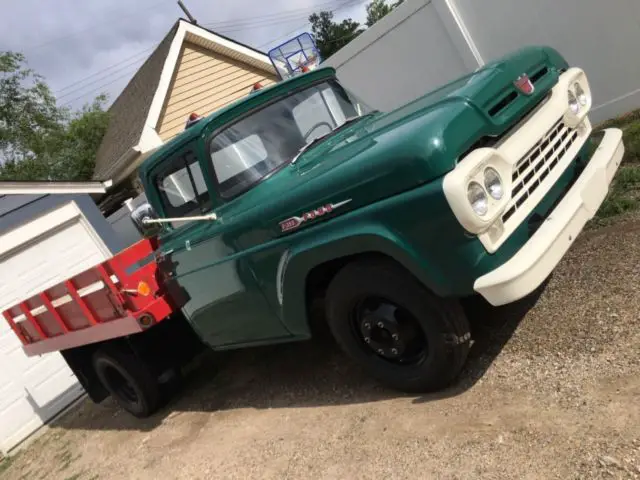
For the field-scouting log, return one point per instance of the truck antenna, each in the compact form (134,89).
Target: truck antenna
(187,13)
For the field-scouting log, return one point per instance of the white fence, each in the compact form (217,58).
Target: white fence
(423,44)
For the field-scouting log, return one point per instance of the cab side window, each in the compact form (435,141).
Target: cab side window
(182,188)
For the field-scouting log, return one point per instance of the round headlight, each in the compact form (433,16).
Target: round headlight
(478,198)
(574,106)
(493,183)
(582,97)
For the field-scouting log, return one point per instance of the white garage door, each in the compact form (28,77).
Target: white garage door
(34,257)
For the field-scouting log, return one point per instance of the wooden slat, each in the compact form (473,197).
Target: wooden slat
(106,278)
(24,308)
(15,327)
(46,301)
(71,288)
(58,302)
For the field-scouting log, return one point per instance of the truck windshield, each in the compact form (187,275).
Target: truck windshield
(258,144)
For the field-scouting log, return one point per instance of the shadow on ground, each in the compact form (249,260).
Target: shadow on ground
(304,374)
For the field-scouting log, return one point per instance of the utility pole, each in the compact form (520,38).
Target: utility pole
(187,13)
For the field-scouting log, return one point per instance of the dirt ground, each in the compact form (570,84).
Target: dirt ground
(549,393)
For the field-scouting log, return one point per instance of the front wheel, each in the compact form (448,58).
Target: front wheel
(129,381)
(396,329)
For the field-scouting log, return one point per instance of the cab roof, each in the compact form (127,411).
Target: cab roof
(234,109)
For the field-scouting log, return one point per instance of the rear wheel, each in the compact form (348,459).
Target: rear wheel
(400,332)
(129,381)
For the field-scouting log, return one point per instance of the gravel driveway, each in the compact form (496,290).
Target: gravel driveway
(549,393)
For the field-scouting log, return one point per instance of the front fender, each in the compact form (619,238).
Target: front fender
(357,238)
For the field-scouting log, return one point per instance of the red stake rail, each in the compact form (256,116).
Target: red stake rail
(119,297)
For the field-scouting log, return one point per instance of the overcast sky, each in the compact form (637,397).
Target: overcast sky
(86,47)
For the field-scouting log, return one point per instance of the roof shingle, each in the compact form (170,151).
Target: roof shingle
(128,113)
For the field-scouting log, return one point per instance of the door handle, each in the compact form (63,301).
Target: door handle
(162,255)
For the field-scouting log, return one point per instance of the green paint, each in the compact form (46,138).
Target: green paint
(389,166)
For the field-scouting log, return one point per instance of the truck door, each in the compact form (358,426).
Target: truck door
(223,301)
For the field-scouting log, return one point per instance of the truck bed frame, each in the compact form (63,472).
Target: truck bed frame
(119,297)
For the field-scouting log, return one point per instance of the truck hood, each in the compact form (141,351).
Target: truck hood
(387,153)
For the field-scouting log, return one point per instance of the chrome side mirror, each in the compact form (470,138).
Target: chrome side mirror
(140,217)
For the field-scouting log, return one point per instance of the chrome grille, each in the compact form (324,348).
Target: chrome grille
(533,168)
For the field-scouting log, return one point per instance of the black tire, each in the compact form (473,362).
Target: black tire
(443,325)
(129,381)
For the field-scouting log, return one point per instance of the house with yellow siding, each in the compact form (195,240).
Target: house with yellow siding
(191,70)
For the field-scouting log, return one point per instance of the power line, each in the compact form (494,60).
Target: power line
(297,11)
(259,22)
(105,69)
(96,89)
(255,20)
(341,5)
(261,25)
(99,87)
(345,4)
(136,63)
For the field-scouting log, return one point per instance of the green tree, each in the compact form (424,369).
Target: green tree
(38,139)
(28,111)
(73,150)
(331,36)
(378,9)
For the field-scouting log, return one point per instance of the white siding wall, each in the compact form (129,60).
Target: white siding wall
(602,37)
(405,55)
(423,44)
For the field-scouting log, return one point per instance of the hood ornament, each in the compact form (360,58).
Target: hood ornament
(524,84)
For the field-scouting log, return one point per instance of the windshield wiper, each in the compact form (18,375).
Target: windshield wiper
(308,146)
(322,137)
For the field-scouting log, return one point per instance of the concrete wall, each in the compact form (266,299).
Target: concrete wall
(423,44)
(403,56)
(602,37)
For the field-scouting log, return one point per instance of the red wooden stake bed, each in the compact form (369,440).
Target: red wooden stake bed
(119,297)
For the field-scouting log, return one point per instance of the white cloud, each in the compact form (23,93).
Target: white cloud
(67,41)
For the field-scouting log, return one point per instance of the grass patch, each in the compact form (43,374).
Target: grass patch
(624,193)
(622,121)
(5,463)
(632,142)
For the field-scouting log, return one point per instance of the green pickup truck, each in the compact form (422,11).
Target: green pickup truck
(299,196)
(300,192)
